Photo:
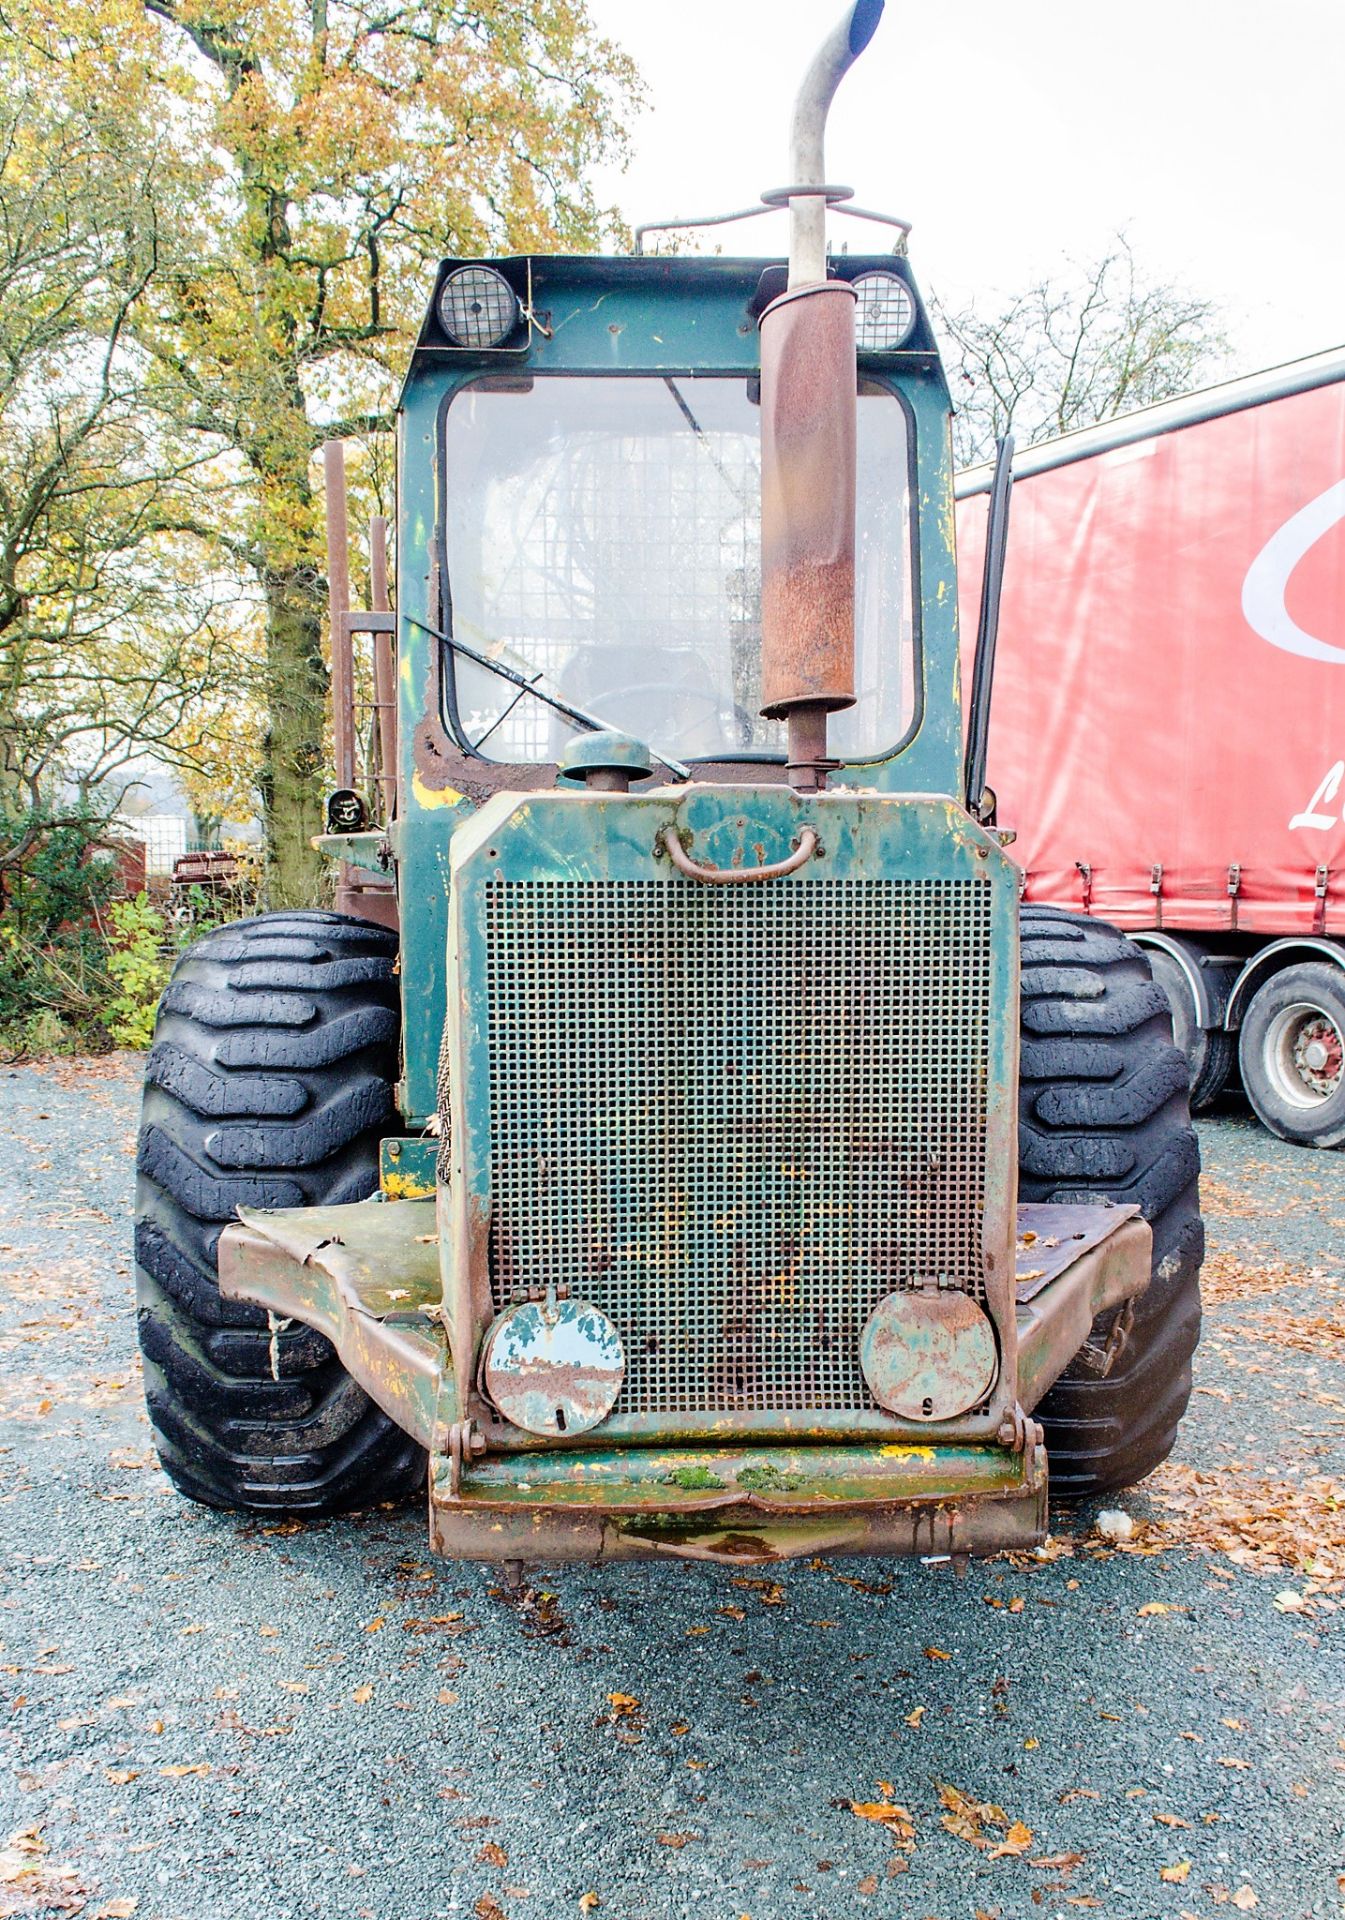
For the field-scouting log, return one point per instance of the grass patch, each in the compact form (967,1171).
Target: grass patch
(693,1479)
(768,1479)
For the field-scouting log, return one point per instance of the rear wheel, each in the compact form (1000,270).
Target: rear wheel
(269,1084)
(1292,1053)
(1103,1115)
(1210,1051)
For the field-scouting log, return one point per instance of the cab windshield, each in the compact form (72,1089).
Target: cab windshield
(604,532)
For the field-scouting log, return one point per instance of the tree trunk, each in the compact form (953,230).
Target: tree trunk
(293,751)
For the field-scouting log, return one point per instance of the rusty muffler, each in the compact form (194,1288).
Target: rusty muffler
(808,379)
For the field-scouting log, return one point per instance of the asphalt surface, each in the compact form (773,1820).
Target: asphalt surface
(204,1717)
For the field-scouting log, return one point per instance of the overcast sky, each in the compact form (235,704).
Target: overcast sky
(1014,133)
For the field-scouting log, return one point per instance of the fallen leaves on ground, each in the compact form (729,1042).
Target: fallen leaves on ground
(1319,1335)
(42,1886)
(626,1716)
(769,1592)
(1226,1280)
(674,1840)
(1261,1524)
(1217,1196)
(895,1820)
(1177,1874)
(968,1819)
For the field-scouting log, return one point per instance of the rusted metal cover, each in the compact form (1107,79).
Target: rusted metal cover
(808,500)
(929,1354)
(553,1366)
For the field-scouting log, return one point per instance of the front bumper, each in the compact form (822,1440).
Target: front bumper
(368,1276)
(739,1507)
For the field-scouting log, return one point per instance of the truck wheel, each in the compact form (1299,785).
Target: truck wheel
(1292,1054)
(1210,1051)
(268,1085)
(1103,1116)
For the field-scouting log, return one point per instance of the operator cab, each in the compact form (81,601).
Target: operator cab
(595,530)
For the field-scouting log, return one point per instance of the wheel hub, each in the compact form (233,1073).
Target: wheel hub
(1304,1054)
(1319,1055)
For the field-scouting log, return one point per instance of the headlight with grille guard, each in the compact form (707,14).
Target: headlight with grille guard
(477,307)
(884,312)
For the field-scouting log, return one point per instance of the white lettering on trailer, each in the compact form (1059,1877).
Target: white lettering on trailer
(1267,578)
(1327,791)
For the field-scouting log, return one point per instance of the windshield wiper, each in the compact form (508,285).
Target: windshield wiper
(590,722)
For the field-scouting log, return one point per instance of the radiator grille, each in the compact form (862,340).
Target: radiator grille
(736,1118)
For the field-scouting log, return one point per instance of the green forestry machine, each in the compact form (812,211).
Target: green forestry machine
(681,1140)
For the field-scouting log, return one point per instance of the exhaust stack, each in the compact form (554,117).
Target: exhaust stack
(808,378)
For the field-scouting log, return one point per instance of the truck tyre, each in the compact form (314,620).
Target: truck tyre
(1103,1115)
(1292,1053)
(1210,1051)
(269,1084)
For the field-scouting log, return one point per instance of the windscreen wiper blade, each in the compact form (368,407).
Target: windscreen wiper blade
(590,722)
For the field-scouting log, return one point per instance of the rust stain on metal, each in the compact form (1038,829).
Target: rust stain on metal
(806,845)
(808,500)
(553,1367)
(928,1354)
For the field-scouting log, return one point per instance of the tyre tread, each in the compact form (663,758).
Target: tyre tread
(1103,1115)
(269,1084)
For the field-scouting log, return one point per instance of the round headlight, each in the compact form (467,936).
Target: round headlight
(477,307)
(884,312)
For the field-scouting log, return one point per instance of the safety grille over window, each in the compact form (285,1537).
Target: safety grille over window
(736,1118)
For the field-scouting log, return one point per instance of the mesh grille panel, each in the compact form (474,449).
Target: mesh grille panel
(736,1118)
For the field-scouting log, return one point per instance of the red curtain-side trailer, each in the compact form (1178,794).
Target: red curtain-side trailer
(1167,731)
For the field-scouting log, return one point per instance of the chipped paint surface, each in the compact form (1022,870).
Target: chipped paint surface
(929,1353)
(762,1504)
(407,1186)
(407,1168)
(553,1367)
(433,796)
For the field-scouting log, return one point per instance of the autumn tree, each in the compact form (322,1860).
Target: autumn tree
(112,609)
(330,152)
(1094,341)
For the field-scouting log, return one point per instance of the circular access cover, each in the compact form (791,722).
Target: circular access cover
(928,1355)
(553,1367)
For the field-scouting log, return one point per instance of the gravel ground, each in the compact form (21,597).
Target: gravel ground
(204,1717)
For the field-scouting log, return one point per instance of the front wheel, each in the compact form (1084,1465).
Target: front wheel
(1103,1115)
(1292,1054)
(269,1084)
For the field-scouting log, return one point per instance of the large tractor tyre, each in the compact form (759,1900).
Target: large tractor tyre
(1210,1051)
(1103,1115)
(1292,1053)
(269,1084)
